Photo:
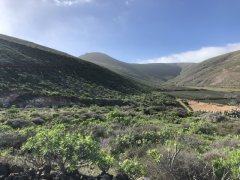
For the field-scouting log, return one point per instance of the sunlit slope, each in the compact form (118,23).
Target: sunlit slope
(222,71)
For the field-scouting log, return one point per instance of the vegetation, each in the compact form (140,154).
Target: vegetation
(27,68)
(149,74)
(228,167)
(219,72)
(64,118)
(133,168)
(68,150)
(154,137)
(208,96)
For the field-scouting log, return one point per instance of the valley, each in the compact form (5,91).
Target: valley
(93,117)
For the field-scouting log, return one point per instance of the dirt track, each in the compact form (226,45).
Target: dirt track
(210,107)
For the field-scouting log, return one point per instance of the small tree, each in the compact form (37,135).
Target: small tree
(69,151)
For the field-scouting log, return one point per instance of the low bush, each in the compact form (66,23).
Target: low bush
(132,168)
(203,127)
(228,167)
(174,162)
(69,151)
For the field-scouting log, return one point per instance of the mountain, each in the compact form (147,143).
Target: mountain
(222,72)
(29,67)
(151,74)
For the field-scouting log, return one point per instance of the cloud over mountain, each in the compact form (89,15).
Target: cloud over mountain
(195,55)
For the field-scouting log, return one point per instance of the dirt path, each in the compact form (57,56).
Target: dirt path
(184,104)
(210,107)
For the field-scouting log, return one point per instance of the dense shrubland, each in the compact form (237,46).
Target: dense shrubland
(151,137)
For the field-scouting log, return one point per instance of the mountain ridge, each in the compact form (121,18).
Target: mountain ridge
(26,66)
(222,71)
(153,73)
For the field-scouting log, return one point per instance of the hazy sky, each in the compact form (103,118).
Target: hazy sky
(129,30)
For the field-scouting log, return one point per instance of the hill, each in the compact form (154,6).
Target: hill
(151,74)
(29,67)
(222,72)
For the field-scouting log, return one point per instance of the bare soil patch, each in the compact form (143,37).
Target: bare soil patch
(210,107)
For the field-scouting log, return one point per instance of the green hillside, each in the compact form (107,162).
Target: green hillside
(222,72)
(152,74)
(28,67)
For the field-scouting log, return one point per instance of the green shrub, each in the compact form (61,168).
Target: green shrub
(125,141)
(228,167)
(68,150)
(132,168)
(203,127)
(118,116)
(105,161)
(13,110)
(155,155)
(5,128)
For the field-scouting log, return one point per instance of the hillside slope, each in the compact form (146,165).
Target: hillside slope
(25,66)
(222,71)
(155,73)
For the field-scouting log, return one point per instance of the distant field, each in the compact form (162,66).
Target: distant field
(210,107)
(216,89)
(208,96)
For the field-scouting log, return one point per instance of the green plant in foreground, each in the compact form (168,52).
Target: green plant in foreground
(5,128)
(155,155)
(105,161)
(132,168)
(229,166)
(69,151)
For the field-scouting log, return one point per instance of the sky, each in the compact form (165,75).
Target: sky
(135,31)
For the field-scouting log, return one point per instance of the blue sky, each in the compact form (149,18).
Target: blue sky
(141,31)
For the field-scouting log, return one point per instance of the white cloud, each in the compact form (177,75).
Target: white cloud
(196,55)
(70,2)
(43,22)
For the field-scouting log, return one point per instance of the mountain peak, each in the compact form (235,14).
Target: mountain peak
(100,58)
(96,54)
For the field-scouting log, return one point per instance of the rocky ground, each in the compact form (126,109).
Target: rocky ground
(14,172)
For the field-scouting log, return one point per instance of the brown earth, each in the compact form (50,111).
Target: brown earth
(210,107)
(219,72)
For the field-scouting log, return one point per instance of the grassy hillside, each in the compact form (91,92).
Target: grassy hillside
(222,71)
(25,66)
(153,74)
